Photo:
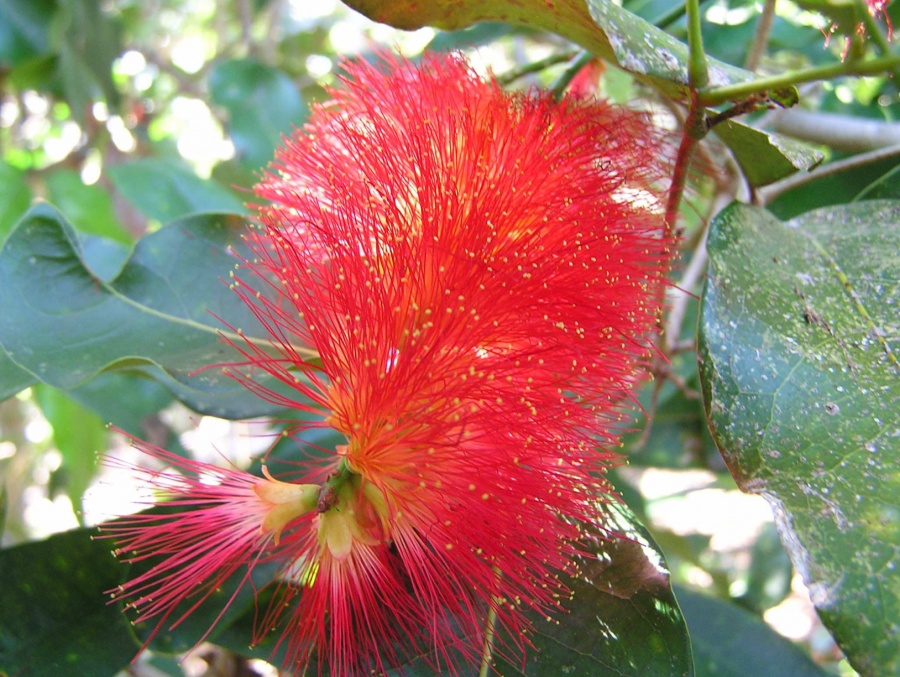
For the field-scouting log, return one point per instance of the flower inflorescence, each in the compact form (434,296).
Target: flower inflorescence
(478,272)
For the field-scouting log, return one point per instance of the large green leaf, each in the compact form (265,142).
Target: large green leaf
(167,190)
(623,620)
(123,399)
(801,383)
(731,642)
(766,157)
(12,377)
(155,313)
(600,26)
(55,619)
(262,103)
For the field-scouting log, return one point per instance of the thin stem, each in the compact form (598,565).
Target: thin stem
(698,75)
(761,37)
(694,130)
(489,632)
(768,194)
(488,651)
(718,95)
(689,279)
(558,88)
(515,73)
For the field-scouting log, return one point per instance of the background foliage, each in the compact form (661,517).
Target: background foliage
(130,134)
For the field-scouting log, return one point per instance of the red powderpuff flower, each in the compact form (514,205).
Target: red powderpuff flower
(478,271)
(218,521)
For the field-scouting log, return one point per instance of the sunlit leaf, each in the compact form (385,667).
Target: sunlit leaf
(167,190)
(78,434)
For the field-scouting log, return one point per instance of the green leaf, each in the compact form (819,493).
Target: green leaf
(129,400)
(765,157)
(104,257)
(834,189)
(55,618)
(801,384)
(155,313)
(167,190)
(731,642)
(123,399)
(87,42)
(13,378)
(79,434)
(88,208)
(24,29)
(262,102)
(600,26)
(624,619)
(884,187)
(15,198)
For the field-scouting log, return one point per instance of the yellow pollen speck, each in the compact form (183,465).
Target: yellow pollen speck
(449,546)
(485,496)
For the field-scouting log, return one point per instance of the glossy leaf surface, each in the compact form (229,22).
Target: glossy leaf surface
(801,381)
(766,157)
(155,314)
(599,26)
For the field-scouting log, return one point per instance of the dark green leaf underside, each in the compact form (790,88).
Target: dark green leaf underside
(55,619)
(729,641)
